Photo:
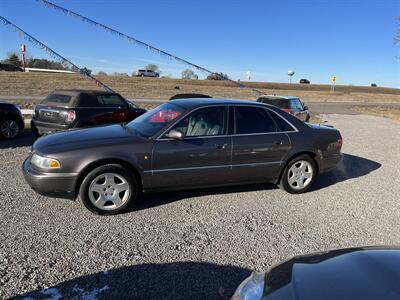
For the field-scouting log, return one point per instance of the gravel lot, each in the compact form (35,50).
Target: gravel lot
(199,244)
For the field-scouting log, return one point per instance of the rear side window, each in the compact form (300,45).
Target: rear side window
(253,120)
(111,100)
(86,100)
(281,103)
(58,98)
(282,124)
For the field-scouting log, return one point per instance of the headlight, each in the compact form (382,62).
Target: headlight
(251,288)
(45,162)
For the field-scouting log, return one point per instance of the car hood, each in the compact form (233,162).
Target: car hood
(356,273)
(84,138)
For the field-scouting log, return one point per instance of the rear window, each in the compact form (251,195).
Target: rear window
(253,120)
(281,103)
(111,100)
(280,122)
(58,98)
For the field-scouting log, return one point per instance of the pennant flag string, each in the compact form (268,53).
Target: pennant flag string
(138,42)
(53,54)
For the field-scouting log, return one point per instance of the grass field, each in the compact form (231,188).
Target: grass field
(40,84)
(386,112)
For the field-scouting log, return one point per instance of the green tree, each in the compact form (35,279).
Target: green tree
(12,59)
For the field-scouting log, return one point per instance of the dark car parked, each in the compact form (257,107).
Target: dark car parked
(289,104)
(182,144)
(304,81)
(67,109)
(10,68)
(11,121)
(367,273)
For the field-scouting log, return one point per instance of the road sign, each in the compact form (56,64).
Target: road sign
(333,79)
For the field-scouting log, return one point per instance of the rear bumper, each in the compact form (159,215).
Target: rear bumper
(46,128)
(329,163)
(60,185)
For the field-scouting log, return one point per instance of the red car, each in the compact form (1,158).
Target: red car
(67,109)
(291,105)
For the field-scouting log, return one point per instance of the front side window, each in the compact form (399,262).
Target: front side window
(253,120)
(296,104)
(156,119)
(111,100)
(204,122)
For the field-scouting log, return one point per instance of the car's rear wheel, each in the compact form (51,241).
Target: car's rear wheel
(9,129)
(108,190)
(299,175)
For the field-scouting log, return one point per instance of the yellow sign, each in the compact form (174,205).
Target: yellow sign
(333,79)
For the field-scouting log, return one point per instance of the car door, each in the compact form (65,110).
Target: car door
(258,146)
(201,158)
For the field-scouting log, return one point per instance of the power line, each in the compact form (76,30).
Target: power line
(85,72)
(138,42)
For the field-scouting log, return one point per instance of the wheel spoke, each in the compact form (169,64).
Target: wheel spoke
(98,188)
(307,175)
(117,201)
(300,183)
(109,179)
(292,180)
(122,187)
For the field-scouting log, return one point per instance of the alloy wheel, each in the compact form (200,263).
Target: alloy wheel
(109,191)
(9,129)
(300,174)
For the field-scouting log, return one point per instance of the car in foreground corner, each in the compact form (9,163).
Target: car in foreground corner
(182,144)
(289,104)
(11,121)
(367,273)
(68,109)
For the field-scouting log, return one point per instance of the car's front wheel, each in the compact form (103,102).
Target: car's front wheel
(9,129)
(108,190)
(299,175)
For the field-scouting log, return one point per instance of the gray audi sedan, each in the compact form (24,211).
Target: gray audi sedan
(182,144)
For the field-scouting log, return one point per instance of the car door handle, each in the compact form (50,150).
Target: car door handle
(278,143)
(223,146)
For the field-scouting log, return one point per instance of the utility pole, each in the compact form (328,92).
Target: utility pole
(23,50)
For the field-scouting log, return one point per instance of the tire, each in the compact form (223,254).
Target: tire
(108,180)
(10,128)
(34,130)
(295,178)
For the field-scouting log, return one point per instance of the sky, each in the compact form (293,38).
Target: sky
(351,39)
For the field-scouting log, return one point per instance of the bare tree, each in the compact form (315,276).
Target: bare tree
(188,74)
(152,67)
(101,73)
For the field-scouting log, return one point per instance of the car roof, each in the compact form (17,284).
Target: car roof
(190,103)
(272,97)
(79,91)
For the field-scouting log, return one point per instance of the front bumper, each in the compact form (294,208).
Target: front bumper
(60,185)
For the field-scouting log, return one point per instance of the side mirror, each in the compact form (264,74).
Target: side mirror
(305,107)
(175,134)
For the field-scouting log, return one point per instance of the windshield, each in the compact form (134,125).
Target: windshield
(154,120)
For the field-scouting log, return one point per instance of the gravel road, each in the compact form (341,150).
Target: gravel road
(199,244)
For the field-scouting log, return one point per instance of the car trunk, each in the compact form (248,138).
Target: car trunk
(54,109)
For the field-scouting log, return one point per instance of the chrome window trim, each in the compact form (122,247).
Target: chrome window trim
(159,137)
(214,167)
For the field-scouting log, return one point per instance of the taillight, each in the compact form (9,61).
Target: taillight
(339,143)
(71,116)
(288,110)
